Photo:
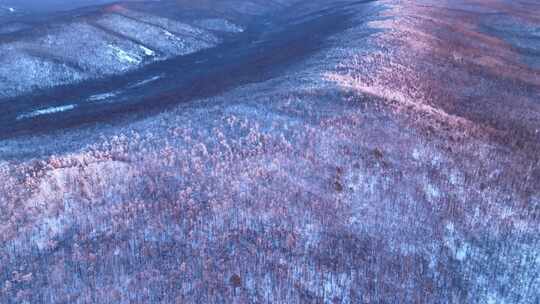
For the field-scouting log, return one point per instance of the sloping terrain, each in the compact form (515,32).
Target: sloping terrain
(393,159)
(111,41)
(62,48)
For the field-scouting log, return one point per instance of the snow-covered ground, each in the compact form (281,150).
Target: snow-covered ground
(219,24)
(112,43)
(397,164)
(46,111)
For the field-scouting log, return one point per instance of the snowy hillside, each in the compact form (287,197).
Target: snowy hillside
(240,151)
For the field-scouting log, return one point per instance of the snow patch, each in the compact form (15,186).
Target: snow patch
(217,24)
(459,248)
(147,51)
(461,252)
(432,191)
(103,96)
(417,154)
(169,34)
(49,229)
(124,56)
(146,81)
(47,111)
(493,298)
(8,8)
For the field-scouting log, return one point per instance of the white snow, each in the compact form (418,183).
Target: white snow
(147,51)
(218,24)
(46,111)
(146,81)
(432,191)
(7,8)
(103,96)
(462,252)
(169,34)
(125,56)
